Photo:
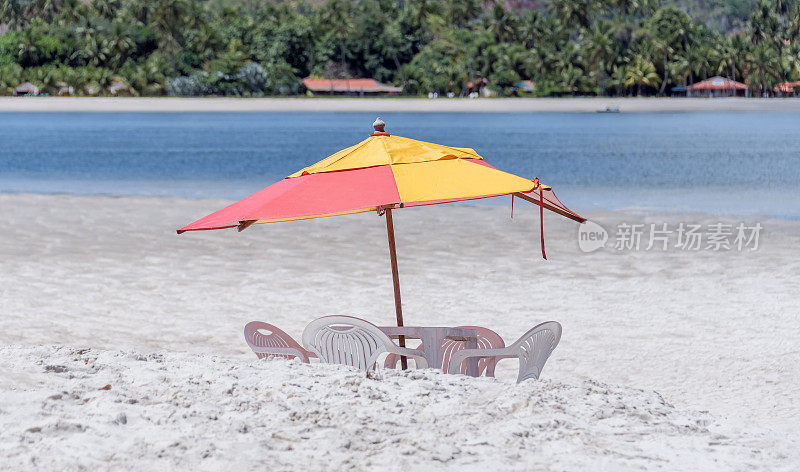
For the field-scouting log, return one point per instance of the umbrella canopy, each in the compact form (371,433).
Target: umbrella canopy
(381,171)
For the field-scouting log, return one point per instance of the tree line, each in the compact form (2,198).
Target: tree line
(256,48)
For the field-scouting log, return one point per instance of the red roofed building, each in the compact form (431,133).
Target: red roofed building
(717,87)
(787,87)
(348,86)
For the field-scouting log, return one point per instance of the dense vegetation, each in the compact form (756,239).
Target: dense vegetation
(251,47)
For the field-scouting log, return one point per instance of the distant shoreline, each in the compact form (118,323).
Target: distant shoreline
(395,105)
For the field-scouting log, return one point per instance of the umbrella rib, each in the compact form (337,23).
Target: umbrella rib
(550,207)
(389,155)
(363,143)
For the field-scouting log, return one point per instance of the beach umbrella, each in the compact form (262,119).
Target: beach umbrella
(382,173)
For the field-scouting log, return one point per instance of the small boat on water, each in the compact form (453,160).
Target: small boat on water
(609,109)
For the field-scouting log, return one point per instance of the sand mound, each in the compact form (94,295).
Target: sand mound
(69,409)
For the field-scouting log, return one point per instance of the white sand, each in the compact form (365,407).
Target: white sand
(172,411)
(386,105)
(669,360)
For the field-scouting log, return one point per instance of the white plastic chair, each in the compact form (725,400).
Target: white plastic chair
(268,340)
(487,339)
(533,349)
(352,341)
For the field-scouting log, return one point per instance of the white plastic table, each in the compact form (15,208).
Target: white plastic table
(432,338)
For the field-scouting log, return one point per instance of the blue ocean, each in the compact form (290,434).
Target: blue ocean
(732,163)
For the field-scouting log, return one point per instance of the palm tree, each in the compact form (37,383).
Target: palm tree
(764,63)
(45,77)
(150,77)
(420,14)
(503,24)
(529,31)
(119,44)
(10,77)
(571,12)
(679,66)
(71,11)
(700,56)
(782,6)
(338,16)
(107,8)
(667,28)
(740,50)
(792,60)
(633,8)
(460,13)
(618,78)
(27,52)
(726,57)
(171,19)
(46,10)
(103,78)
(138,10)
(601,53)
(11,12)
(793,23)
(641,72)
(93,47)
(763,23)
(392,41)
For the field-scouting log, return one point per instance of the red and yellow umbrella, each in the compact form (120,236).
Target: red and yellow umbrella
(382,173)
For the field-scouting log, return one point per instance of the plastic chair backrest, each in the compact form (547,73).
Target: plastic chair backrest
(534,348)
(265,335)
(487,339)
(346,340)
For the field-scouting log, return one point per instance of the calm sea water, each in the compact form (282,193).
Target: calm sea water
(719,163)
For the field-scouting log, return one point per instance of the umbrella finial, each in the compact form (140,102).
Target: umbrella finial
(379,125)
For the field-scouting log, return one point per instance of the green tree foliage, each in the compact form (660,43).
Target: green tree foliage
(264,47)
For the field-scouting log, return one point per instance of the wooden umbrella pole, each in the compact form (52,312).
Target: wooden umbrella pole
(398,307)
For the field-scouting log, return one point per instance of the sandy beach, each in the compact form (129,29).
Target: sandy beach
(387,105)
(670,360)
